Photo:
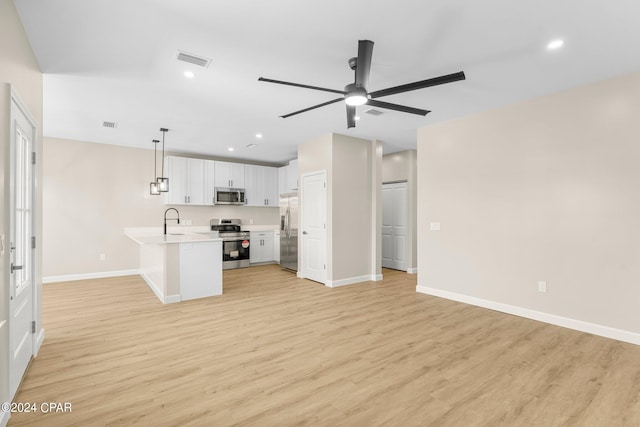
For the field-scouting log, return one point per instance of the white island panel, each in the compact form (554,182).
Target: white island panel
(200,270)
(180,267)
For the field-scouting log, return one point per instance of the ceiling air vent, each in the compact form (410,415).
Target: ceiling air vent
(193,59)
(374,112)
(111,125)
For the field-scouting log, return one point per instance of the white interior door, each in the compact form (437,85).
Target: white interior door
(394,226)
(21,253)
(313,224)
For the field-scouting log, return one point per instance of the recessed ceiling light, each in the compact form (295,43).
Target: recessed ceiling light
(230,149)
(555,44)
(189,74)
(357,117)
(258,135)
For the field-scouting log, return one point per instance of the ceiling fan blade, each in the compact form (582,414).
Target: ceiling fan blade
(280,82)
(397,107)
(312,108)
(449,78)
(351,116)
(363,66)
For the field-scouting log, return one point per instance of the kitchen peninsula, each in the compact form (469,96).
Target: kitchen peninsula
(179,266)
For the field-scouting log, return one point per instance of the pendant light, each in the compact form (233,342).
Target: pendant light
(163,182)
(153,187)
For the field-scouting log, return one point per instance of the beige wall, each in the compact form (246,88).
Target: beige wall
(353,169)
(546,190)
(93,191)
(402,166)
(18,68)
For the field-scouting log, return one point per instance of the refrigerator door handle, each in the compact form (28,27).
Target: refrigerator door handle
(288,223)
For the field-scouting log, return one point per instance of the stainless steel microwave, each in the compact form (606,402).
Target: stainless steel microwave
(230,196)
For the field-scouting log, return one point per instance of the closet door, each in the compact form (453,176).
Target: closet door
(394,226)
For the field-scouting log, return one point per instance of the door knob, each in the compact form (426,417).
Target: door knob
(304,232)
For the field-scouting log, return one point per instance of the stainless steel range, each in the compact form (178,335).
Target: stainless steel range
(235,243)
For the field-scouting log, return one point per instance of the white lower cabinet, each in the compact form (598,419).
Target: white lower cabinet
(276,246)
(262,247)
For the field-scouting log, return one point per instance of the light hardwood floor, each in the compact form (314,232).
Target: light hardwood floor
(277,350)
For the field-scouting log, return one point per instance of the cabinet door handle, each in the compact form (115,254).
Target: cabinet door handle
(15,267)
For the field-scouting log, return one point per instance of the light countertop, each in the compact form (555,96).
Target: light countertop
(156,237)
(246,227)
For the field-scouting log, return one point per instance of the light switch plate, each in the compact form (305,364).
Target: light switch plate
(434,226)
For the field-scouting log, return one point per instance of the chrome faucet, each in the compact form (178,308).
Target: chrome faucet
(171,219)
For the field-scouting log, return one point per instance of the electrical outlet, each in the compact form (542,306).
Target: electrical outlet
(187,222)
(251,221)
(542,286)
(434,226)
(103,257)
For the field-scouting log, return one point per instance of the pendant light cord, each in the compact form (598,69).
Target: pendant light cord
(163,132)
(155,159)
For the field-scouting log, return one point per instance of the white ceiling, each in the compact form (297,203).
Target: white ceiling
(115,61)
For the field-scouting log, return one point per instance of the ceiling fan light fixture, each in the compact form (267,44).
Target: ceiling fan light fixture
(356,100)
(356,95)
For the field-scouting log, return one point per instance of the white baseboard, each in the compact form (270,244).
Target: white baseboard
(4,418)
(170,299)
(349,281)
(578,325)
(165,299)
(85,276)
(376,277)
(39,341)
(299,275)
(412,270)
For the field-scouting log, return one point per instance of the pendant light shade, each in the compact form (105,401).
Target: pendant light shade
(162,181)
(153,186)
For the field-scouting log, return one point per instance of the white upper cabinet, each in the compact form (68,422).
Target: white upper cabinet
(271,193)
(194,181)
(186,181)
(209,182)
(288,176)
(261,185)
(282,180)
(292,176)
(228,174)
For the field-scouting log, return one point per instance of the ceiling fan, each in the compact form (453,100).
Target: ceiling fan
(356,93)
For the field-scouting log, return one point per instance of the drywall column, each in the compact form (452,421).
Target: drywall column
(353,169)
(375,160)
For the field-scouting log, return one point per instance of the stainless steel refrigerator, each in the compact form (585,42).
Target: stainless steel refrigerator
(289,231)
